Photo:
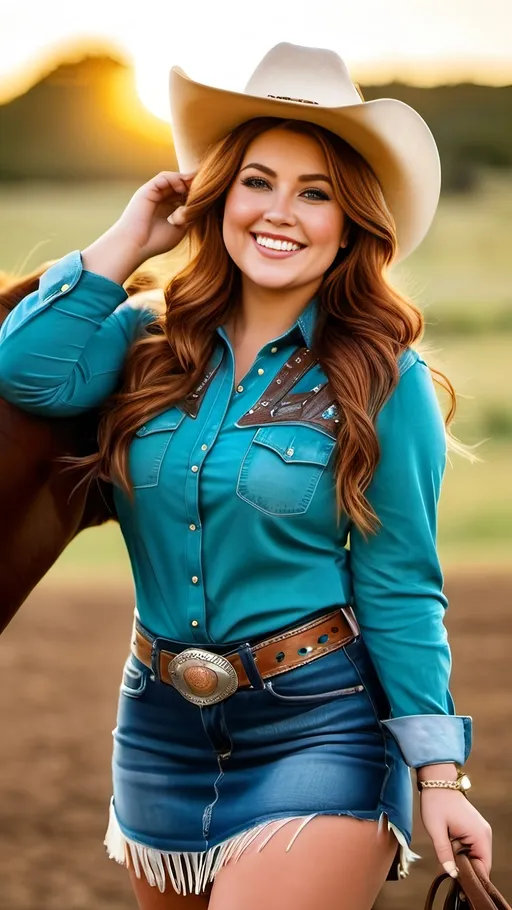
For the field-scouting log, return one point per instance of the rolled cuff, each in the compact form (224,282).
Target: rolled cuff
(429,739)
(63,275)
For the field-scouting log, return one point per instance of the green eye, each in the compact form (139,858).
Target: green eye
(319,194)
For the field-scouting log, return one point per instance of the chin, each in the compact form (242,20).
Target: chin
(272,285)
(268,278)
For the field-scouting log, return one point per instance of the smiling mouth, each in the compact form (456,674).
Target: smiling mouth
(276,248)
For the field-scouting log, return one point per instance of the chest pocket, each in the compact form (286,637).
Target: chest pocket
(282,468)
(149,446)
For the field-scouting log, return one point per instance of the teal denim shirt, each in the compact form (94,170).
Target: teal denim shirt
(233,529)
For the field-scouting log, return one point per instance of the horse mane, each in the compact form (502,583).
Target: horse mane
(14,288)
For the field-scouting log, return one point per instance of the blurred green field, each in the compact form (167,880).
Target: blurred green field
(461,277)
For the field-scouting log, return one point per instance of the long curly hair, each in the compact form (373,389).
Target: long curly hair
(364,323)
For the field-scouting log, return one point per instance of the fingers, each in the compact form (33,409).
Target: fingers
(178,217)
(444,852)
(174,181)
(479,848)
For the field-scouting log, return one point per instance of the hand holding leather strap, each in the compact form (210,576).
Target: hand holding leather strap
(479,891)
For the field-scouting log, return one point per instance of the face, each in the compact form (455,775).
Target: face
(282,225)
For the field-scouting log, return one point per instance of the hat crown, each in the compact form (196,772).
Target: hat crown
(308,74)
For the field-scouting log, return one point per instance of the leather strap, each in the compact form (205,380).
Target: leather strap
(337,627)
(478,890)
(294,369)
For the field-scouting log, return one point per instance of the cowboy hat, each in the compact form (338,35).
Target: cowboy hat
(313,84)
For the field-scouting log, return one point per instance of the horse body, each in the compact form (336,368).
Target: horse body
(41,507)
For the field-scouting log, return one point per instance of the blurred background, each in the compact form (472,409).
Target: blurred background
(83,122)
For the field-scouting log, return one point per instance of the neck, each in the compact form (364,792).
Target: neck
(262,315)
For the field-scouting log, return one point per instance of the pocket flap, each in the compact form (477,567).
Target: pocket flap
(297,444)
(169,420)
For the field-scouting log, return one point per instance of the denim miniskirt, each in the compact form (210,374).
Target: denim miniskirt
(193,786)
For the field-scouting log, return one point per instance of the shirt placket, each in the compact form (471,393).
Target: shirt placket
(209,428)
(252,385)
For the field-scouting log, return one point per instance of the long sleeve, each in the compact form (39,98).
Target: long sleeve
(397,578)
(62,348)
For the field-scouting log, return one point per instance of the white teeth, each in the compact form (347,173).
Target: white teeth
(282,245)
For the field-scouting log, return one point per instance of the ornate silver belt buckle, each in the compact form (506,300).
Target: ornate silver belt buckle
(202,677)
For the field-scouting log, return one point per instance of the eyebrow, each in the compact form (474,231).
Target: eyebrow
(304,178)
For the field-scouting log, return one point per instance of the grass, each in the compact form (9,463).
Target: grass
(460,276)
(45,221)
(480,369)
(465,259)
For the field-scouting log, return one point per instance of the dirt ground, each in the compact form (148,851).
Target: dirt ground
(60,663)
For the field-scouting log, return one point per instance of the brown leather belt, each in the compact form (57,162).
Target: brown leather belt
(205,678)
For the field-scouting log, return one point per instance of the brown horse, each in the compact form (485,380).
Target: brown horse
(41,507)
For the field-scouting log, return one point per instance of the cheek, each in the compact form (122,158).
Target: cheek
(326,229)
(239,213)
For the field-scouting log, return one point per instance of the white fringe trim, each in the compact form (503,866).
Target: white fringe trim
(407,856)
(196,869)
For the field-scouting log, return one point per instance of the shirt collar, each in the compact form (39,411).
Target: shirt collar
(301,332)
(307,321)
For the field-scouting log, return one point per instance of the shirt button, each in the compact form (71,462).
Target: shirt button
(194,468)
(194,579)
(260,372)
(239,388)
(204,447)
(194,623)
(192,527)
(290,451)
(65,287)
(273,350)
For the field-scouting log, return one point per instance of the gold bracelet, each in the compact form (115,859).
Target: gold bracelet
(447,784)
(462,783)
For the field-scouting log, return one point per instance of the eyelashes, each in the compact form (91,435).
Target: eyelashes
(260,183)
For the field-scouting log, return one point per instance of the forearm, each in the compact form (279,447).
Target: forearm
(63,347)
(112,255)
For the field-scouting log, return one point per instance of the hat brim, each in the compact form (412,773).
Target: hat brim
(390,135)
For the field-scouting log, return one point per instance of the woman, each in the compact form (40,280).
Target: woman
(280,685)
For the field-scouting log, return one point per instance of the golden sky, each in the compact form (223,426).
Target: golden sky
(221,41)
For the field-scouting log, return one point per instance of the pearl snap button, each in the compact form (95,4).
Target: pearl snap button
(194,579)
(204,447)
(192,527)
(65,287)
(194,623)
(194,468)
(260,372)
(239,388)
(290,451)
(273,350)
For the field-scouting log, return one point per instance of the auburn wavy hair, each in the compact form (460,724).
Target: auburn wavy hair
(363,325)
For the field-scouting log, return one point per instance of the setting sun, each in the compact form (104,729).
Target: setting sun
(152,80)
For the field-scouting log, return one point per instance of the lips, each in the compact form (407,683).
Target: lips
(276,254)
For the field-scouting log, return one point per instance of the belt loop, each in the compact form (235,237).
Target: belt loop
(155,659)
(350,616)
(250,666)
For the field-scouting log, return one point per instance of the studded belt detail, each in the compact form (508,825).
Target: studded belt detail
(205,678)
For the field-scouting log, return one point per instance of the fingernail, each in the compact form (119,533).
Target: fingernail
(451,868)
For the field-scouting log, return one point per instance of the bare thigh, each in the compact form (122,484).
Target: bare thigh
(336,863)
(150,898)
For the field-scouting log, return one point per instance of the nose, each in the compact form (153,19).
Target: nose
(281,211)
